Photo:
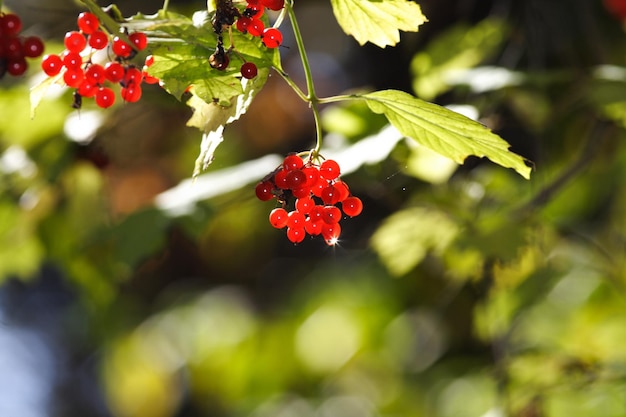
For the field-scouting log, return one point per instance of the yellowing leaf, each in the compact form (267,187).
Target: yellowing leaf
(378,21)
(444,131)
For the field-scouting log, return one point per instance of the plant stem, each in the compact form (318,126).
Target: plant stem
(310,97)
(166,4)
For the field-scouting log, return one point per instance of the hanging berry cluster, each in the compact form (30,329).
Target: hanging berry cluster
(14,49)
(92,80)
(314,191)
(248,21)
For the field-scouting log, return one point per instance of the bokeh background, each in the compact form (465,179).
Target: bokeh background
(460,290)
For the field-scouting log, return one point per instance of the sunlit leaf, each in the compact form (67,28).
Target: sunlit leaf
(444,131)
(405,237)
(378,22)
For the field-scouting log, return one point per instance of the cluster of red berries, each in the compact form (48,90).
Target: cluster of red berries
(248,21)
(317,191)
(14,49)
(89,78)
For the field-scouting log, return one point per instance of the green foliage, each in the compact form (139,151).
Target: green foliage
(444,131)
(378,22)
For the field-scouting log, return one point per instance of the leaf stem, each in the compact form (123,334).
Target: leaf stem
(166,4)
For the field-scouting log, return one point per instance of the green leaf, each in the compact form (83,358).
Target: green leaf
(378,21)
(406,237)
(442,130)
(459,48)
(212,118)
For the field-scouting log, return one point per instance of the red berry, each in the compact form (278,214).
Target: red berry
(295,219)
(249,70)
(292,162)
(256,27)
(352,206)
(296,235)
(253,11)
(95,74)
(75,41)
(87,89)
(51,65)
(17,66)
(139,39)
(301,192)
(132,76)
(73,77)
(273,4)
(13,48)
(114,71)
(149,61)
(330,195)
(32,47)
(88,23)
(304,204)
(312,227)
(330,169)
(121,48)
(242,24)
(617,8)
(272,38)
(343,191)
(280,179)
(295,179)
(278,218)
(72,60)
(98,40)
(10,24)
(264,190)
(105,97)
(330,233)
(131,93)
(316,214)
(331,214)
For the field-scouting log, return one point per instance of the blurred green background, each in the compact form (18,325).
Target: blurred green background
(460,291)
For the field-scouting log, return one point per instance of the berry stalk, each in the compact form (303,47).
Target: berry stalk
(311,96)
